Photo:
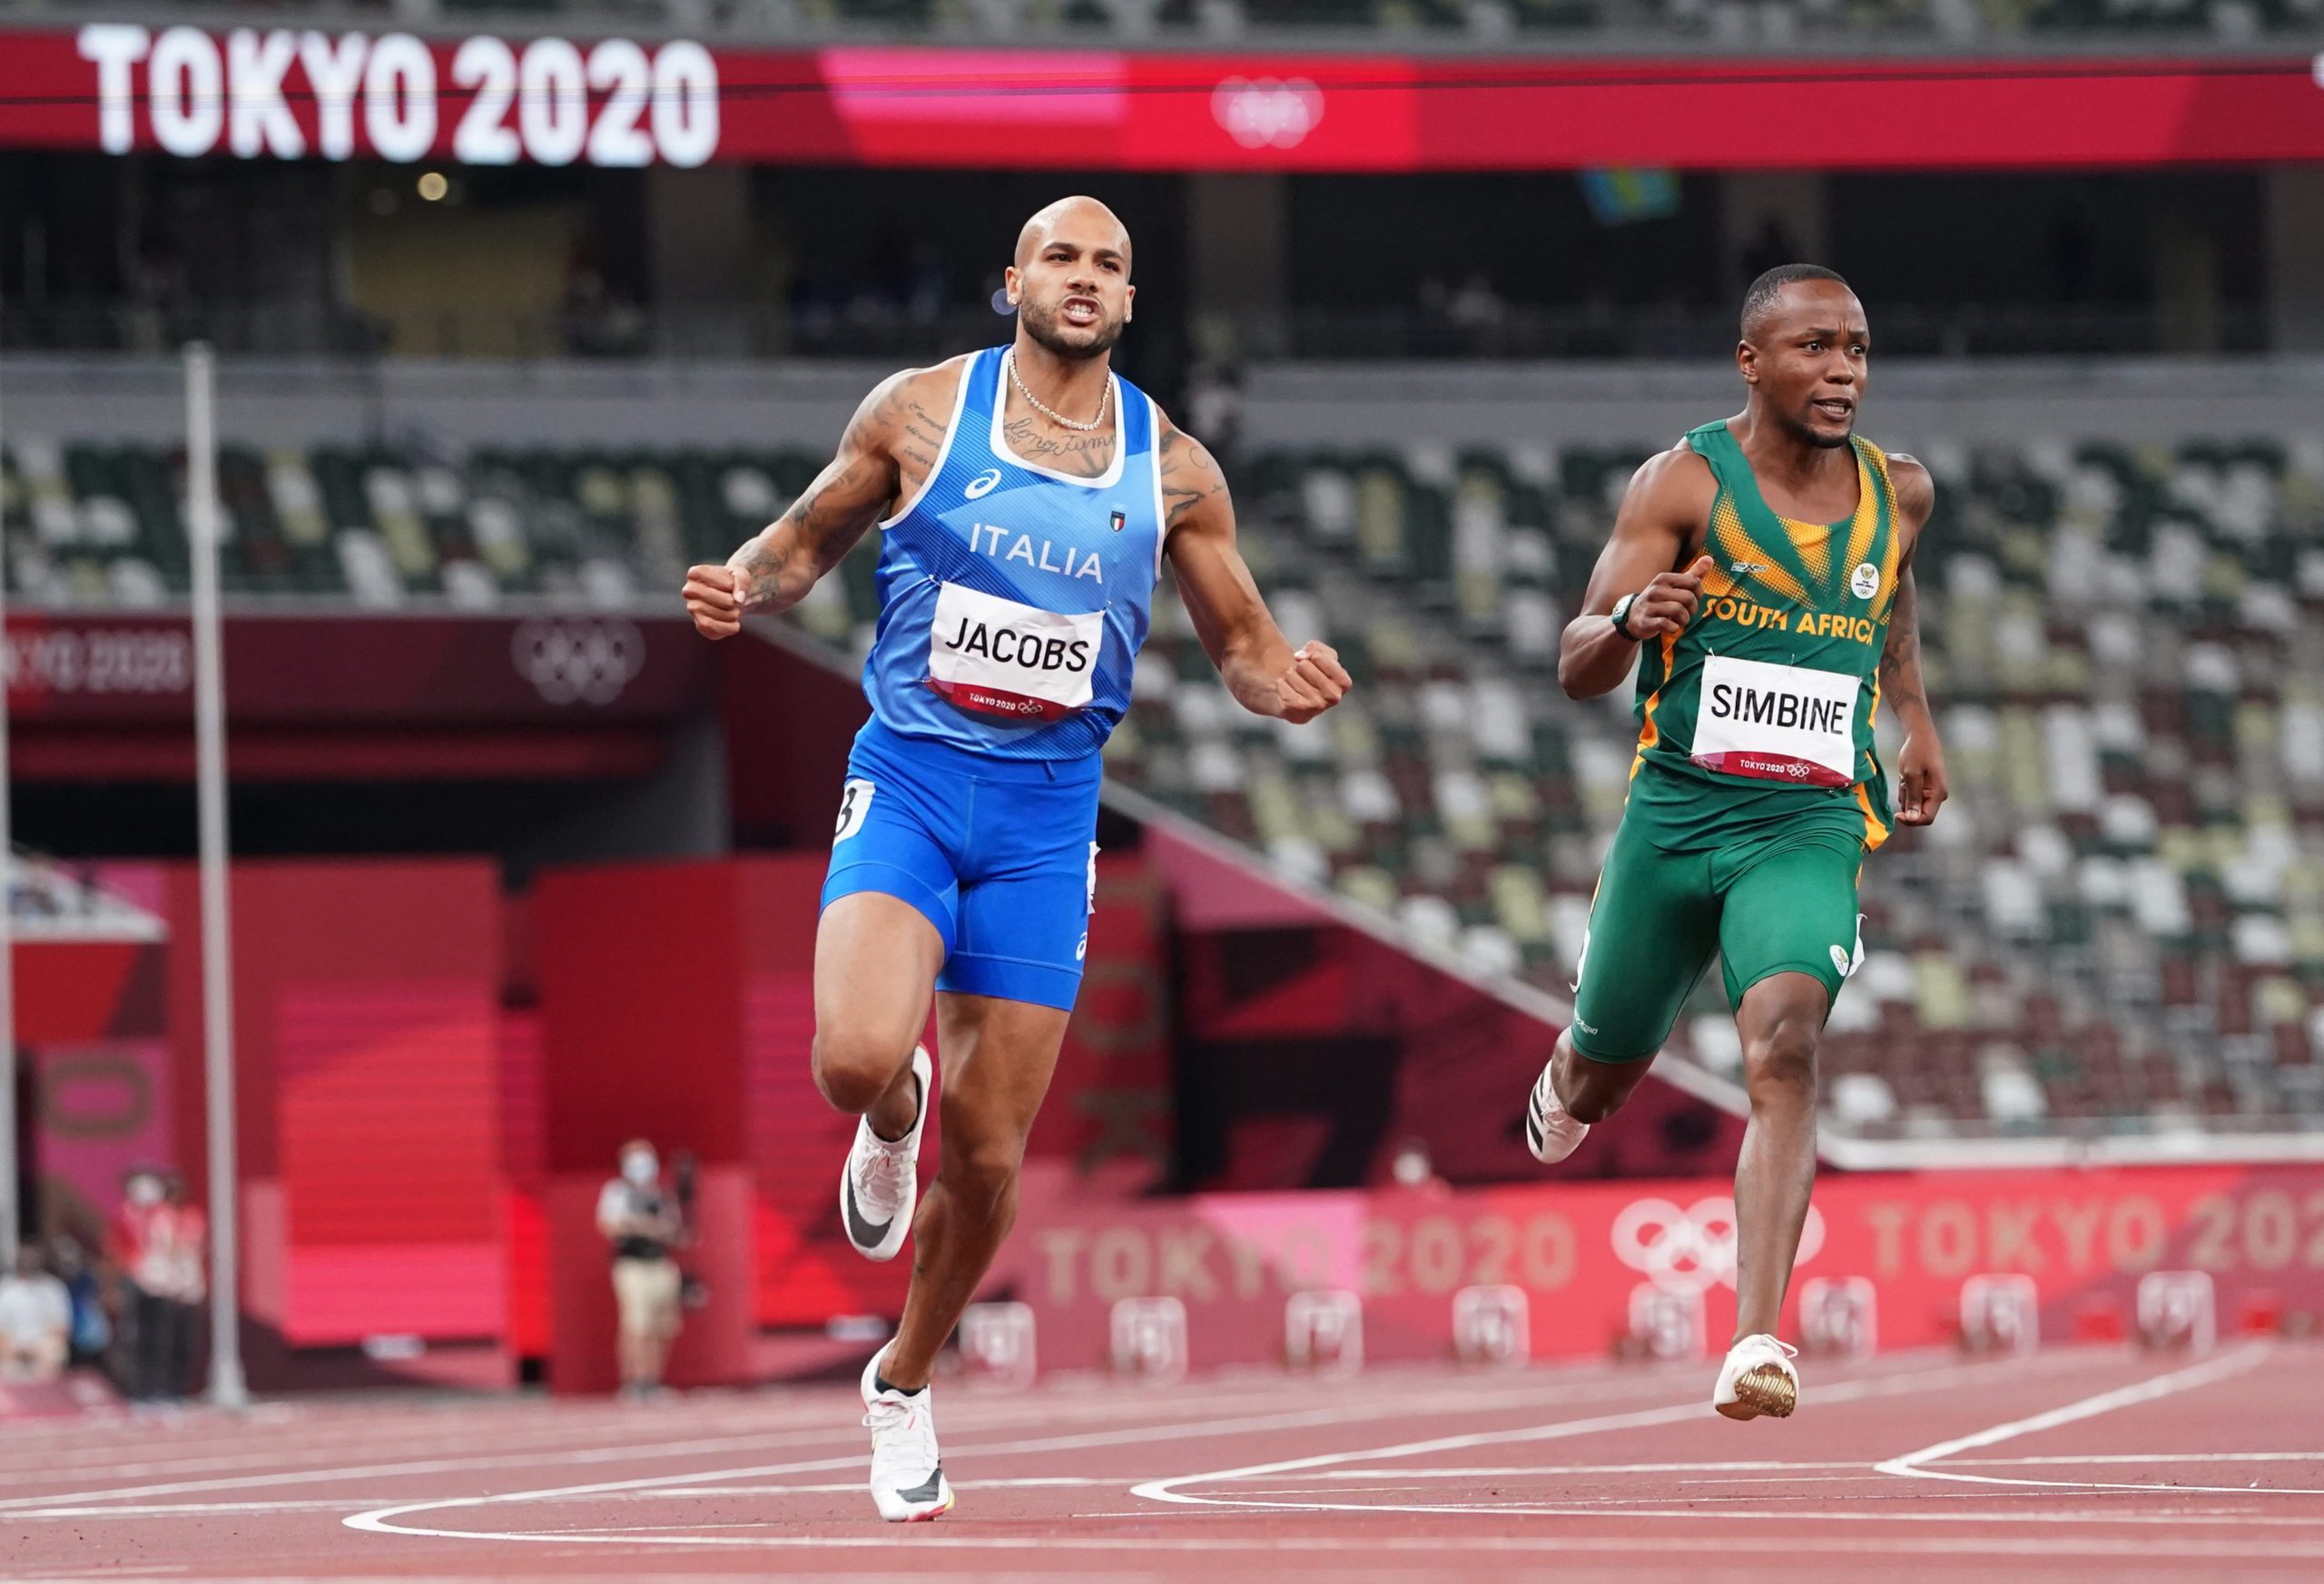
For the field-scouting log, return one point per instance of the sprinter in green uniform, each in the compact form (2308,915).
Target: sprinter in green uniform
(1760,574)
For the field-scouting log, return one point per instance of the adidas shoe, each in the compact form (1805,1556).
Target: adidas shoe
(1550,1133)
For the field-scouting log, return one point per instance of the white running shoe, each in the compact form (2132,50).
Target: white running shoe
(1550,1133)
(908,1480)
(1757,1378)
(880,1182)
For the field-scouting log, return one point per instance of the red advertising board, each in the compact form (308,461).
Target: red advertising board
(138,669)
(267,93)
(1580,1251)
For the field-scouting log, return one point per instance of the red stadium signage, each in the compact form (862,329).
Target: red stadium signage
(138,670)
(1581,1253)
(301,94)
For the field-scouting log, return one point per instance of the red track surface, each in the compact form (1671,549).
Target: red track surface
(2075,1465)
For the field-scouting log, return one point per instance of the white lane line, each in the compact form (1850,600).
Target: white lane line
(381,1521)
(2314,1457)
(1913,1465)
(1883,1546)
(424,1466)
(1694,1409)
(272,1453)
(691,1492)
(186,1509)
(1478,1397)
(1517,1472)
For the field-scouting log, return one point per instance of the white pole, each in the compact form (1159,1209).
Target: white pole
(9,1166)
(227,1388)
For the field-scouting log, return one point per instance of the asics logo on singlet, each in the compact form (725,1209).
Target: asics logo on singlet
(983,484)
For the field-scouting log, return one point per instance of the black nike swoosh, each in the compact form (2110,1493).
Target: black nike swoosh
(864,1234)
(929,1491)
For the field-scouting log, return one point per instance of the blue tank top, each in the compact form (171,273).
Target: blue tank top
(1013,598)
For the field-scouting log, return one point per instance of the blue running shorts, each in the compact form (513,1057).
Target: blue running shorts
(998,853)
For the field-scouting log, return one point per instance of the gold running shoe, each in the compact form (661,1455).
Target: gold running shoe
(1757,1379)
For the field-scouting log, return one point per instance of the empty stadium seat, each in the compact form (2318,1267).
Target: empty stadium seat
(2122,909)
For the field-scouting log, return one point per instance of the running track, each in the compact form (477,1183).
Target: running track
(2085,1464)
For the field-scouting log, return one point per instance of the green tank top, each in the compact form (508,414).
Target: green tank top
(1762,710)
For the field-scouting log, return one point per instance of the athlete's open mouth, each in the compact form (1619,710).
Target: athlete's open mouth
(1080,310)
(1836,408)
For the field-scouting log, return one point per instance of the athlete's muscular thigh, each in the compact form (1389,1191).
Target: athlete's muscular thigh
(1652,929)
(876,957)
(999,1057)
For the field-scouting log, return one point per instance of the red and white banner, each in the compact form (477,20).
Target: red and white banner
(1581,1252)
(301,94)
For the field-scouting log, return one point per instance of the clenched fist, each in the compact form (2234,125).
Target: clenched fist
(1667,604)
(1315,682)
(714,600)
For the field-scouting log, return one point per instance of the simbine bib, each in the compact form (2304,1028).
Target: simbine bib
(1777,679)
(1777,722)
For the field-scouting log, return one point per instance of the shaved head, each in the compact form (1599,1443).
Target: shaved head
(1070,214)
(1070,280)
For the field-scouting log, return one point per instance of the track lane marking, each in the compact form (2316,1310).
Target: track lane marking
(1695,1408)
(379,1520)
(1913,1465)
(1047,1410)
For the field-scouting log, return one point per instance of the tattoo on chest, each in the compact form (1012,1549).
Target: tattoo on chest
(1086,456)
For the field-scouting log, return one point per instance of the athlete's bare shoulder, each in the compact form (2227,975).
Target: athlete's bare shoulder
(905,415)
(903,422)
(1672,485)
(1916,488)
(1193,487)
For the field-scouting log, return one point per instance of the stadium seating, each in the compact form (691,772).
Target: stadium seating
(2119,918)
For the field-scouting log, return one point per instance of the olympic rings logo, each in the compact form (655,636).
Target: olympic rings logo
(1268,112)
(1693,1247)
(582,662)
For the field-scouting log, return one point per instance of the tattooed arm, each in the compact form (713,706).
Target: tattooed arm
(1258,665)
(889,447)
(1921,784)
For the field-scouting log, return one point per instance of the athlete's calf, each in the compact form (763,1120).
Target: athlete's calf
(1593,1090)
(998,1055)
(1781,1019)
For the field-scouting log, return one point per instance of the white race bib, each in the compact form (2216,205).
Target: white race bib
(994,657)
(1777,722)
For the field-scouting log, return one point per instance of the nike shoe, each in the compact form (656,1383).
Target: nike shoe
(1757,1378)
(1550,1133)
(908,1482)
(880,1182)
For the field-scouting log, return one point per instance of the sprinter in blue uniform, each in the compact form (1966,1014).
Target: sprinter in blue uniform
(1027,497)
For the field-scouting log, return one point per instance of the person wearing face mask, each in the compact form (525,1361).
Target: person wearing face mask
(156,1245)
(643,1223)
